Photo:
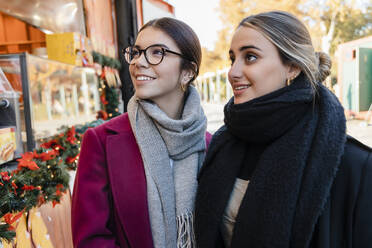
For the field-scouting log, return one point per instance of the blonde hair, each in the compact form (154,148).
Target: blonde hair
(293,41)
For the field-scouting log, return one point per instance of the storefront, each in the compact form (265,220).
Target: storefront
(59,71)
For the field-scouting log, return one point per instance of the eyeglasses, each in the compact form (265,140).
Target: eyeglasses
(154,54)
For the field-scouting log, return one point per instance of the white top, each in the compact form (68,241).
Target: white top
(232,209)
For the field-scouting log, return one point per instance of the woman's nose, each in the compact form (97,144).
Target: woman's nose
(235,72)
(140,61)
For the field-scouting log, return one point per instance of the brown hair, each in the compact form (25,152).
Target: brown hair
(184,37)
(293,41)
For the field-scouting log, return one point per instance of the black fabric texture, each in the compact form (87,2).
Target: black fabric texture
(304,136)
(253,153)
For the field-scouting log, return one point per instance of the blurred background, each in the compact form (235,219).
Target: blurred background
(341,28)
(62,71)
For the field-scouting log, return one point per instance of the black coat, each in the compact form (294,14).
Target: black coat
(346,220)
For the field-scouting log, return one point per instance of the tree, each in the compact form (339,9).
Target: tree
(336,22)
(330,22)
(231,13)
(219,57)
(351,24)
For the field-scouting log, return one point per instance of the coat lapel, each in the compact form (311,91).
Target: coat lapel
(128,185)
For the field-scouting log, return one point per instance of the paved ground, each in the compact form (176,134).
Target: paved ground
(356,128)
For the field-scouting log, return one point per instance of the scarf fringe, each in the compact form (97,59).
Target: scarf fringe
(185,231)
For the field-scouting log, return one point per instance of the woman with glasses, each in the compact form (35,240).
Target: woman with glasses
(137,174)
(282,172)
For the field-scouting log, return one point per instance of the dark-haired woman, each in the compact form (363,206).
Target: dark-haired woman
(282,172)
(137,175)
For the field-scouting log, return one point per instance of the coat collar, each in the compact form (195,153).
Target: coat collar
(128,182)
(119,124)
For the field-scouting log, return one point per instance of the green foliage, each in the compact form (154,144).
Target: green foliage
(5,233)
(112,98)
(105,60)
(41,176)
(351,24)
(109,100)
(82,128)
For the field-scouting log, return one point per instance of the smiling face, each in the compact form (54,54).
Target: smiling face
(160,83)
(256,68)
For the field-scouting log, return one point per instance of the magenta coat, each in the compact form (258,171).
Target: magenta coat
(109,202)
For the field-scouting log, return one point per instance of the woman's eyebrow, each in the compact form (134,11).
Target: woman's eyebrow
(157,44)
(249,47)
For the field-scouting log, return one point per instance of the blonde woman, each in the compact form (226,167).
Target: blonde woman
(282,172)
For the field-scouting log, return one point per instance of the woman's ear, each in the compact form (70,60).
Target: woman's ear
(187,76)
(293,71)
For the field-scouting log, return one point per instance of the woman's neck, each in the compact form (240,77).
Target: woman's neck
(172,107)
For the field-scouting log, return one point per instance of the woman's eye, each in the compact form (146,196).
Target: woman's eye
(232,59)
(134,53)
(250,57)
(157,52)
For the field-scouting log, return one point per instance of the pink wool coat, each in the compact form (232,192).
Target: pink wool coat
(109,202)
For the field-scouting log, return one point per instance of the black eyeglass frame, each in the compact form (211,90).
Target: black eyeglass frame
(165,50)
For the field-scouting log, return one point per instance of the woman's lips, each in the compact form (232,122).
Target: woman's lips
(240,88)
(143,79)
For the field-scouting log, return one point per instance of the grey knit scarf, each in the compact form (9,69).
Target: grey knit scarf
(172,152)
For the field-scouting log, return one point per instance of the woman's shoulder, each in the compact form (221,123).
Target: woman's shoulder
(114,126)
(217,136)
(355,169)
(354,147)
(117,124)
(217,141)
(357,156)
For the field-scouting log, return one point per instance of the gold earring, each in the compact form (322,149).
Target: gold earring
(184,87)
(288,82)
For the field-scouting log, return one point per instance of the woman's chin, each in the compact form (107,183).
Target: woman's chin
(242,99)
(141,95)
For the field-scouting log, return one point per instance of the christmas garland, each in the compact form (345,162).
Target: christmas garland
(109,101)
(104,60)
(108,85)
(41,176)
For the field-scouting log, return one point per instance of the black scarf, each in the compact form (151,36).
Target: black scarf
(305,137)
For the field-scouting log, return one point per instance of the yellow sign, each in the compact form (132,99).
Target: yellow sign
(65,47)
